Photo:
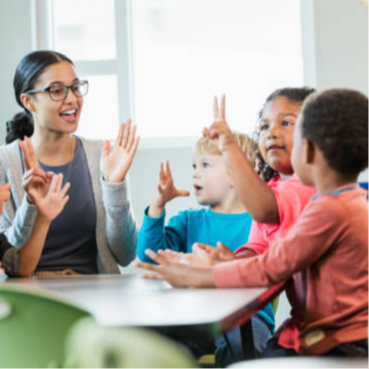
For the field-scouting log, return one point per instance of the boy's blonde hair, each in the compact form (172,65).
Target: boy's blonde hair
(249,147)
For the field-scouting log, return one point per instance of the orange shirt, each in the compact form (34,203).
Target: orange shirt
(327,255)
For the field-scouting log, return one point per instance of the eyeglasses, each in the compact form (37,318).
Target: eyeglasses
(60,92)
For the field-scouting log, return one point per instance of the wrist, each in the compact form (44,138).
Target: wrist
(155,210)
(43,219)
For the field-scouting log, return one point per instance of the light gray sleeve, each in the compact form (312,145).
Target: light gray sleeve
(17,229)
(121,225)
(16,223)
(10,261)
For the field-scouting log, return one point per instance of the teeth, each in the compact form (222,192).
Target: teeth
(69,112)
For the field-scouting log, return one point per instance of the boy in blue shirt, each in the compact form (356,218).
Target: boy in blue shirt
(224,220)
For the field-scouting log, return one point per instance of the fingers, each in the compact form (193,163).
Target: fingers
(169,172)
(215,109)
(222,114)
(65,190)
(119,139)
(155,276)
(202,246)
(65,200)
(106,149)
(182,193)
(54,184)
(132,138)
(157,258)
(126,133)
(59,183)
(133,149)
(147,266)
(30,149)
(26,156)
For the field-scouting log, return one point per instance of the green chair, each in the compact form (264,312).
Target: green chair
(33,327)
(92,346)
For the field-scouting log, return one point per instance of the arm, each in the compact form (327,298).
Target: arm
(115,162)
(49,207)
(17,223)
(313,235)
(255,194)
(154,235)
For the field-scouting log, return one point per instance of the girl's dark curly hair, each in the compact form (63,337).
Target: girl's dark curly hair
(295,94)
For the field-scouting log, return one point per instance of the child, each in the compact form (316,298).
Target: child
(224,220)
(22,261)
(286,195)
(326,253)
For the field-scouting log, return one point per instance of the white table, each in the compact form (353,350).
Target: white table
(129,300)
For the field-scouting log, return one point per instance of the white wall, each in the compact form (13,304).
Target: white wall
(15,42)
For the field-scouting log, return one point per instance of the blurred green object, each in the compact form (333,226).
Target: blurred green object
(92,346)
(33,327)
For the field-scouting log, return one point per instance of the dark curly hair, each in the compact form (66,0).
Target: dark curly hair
(295,94)
(336,121)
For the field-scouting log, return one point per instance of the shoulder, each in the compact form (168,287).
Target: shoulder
(91,146)
(10,151)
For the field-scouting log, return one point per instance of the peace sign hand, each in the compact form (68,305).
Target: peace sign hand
(220,130)
(115,164)
(34,177)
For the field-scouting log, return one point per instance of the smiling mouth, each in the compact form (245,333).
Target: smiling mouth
(69,115)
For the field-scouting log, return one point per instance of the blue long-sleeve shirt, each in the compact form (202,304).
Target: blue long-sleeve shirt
(196,225)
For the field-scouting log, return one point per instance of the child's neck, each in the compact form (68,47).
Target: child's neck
(234,206)
(329,180)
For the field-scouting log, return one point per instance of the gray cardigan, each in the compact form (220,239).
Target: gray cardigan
(116,230)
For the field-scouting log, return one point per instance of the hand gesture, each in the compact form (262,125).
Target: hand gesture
(4,195)
(114,164)
(166,191)
(51,205)
(177,274)
(220,129)
(198,257)
(34,177)
(220,253)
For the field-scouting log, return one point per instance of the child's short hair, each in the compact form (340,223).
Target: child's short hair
(336,121)
(249,147)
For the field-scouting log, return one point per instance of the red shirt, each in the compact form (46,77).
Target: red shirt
(327,255)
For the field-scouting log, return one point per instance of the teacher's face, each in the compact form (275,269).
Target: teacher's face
(57,116)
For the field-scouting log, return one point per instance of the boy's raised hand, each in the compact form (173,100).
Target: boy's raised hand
(51,205)
(220,129)
(166,191)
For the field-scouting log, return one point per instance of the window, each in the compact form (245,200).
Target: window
(167,59)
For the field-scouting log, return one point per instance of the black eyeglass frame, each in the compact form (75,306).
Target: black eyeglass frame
(67,88)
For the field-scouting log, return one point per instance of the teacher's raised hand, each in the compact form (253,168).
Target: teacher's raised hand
(115,163)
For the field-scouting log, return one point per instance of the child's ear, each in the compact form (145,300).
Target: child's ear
(308,151)
(28,102)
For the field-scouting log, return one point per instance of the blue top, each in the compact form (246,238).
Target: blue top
(71,241)
(190,226)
